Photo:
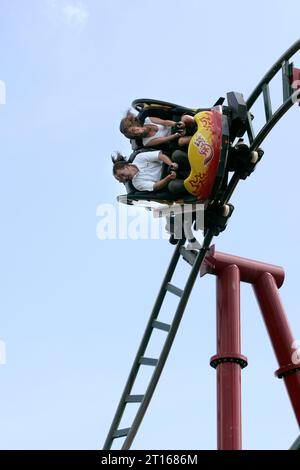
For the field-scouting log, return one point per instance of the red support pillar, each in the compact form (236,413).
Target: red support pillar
(266,280)
(229,360)
(267,294)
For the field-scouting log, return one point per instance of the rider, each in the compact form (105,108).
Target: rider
(155,131)
(146,171)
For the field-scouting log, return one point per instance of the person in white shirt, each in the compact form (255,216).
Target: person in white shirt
(155,131)
(145,172)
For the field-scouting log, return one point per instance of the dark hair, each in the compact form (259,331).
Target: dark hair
(128,121)
(119,162)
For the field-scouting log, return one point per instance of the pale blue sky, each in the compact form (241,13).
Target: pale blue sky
(73,308)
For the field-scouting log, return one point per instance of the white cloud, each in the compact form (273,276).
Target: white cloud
(72,12)
(76,13)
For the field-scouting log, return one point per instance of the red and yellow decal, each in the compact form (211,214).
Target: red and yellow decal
(204,153)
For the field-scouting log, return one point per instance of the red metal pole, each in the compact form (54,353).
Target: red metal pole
(267,294)
(228,360)
(250,270)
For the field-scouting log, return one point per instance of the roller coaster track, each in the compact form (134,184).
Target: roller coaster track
(290,97)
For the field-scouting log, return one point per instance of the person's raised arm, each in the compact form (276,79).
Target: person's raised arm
(163,122)
(167,160)
(164,182)
(163,140)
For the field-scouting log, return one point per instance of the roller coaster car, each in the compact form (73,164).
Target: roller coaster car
(209,150)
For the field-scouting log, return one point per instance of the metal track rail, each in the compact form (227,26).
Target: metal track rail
(289,98)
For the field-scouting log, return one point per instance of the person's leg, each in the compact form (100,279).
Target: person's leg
(188,121)
(184,141)
(182,161)
(190,127)
(180,157)
(177,187)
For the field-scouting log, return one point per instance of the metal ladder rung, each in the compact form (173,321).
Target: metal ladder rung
(174,290)
(134,398)
(267,101)
(286,87)
(148,361)
(121,433)
(161,326)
